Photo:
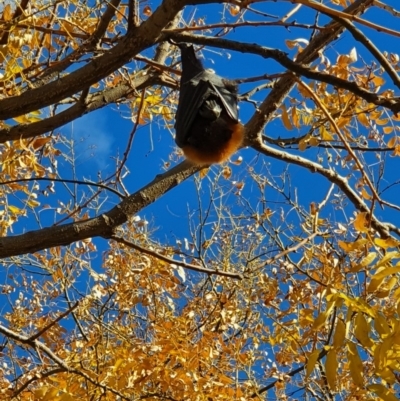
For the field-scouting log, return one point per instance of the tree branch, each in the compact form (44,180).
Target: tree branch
(103,225)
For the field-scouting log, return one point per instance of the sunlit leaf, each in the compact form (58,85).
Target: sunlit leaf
(362,330)
(285,118)
(311,361)
(381,391)
(331,366)
(340,334)
(361,222)
(356,365)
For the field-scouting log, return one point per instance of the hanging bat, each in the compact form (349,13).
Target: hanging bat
(207,123)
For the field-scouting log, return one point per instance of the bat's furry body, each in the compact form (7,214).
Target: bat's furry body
(207,123)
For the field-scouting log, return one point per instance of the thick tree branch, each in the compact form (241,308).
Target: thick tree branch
(83,106)
(103,225)
(384,229)
(139,39)
(296,67)
(104,22)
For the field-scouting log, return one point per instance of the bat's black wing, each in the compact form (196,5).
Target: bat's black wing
(192,98)
(227,93)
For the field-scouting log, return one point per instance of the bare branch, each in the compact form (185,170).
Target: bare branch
(171,261)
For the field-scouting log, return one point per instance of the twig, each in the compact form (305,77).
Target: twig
(175,262)
(235,25)
(52,323)
(279,56)
(336,13)
(288,250)
(342,137)
(360,37)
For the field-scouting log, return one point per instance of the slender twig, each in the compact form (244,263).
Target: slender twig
(235,25)
(287,251)
(53,322)
(279,56)
(360,37)
(336,13)
(342,138)
(175,262)
(131,136)
(63,180)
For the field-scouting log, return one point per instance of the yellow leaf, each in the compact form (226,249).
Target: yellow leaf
(381,326)
(320,320)
(325,134)
(387,271)
(311,361)
(4,50)
(16,210)
(166,113)
(21,119)
(364,263)
(353,246)
(340,334)
(386,243)
(234,10)
(343,60)
(361,223)
(387,130)
(227,172)
(355,364)
(118,363)
(39,393)
(154,99)
(147,11)
(291,44)
(331,365)
(302,145)
(387,375)
(225,379)
(396,150)
(33,119)
(387,258)
(342,122)
(378,81)
(285,118)
(383,121)
(362,118)
(203,172)
(381,391)
(7,13)
(365,194)
(349,317)
(381,354)
(392,142)
(375,282)
(51,394)
(295,117)
(39,142)
(67,397)
(353,55)
(361,330)
(32,203)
